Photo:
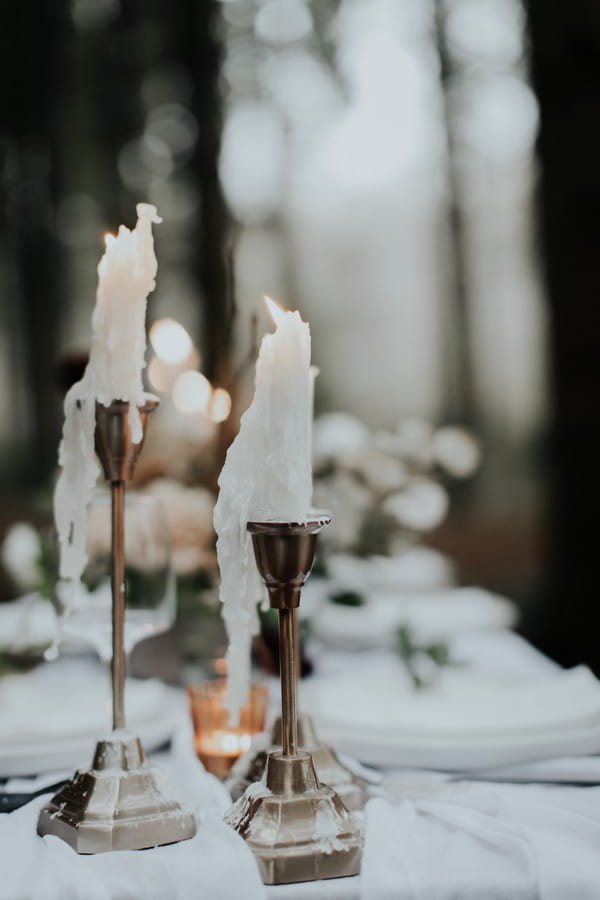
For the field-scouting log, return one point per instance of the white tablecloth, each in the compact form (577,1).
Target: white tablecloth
(430,838)
(216,864)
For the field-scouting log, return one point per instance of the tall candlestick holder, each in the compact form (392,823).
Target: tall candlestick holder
(122,802)
(297,828)
(350,787)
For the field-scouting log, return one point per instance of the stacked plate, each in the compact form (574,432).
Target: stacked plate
(52,717)
(475,716)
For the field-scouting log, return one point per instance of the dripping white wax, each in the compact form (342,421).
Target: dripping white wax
(126,275)
(267,476)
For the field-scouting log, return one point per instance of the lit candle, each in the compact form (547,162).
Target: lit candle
(126,275)
(267,476)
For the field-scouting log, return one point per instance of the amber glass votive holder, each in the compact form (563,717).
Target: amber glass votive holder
(219,744)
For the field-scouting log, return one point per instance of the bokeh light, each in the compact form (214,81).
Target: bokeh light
(175,126)
(91,14)
(159,375)
(283,21)
(421,506)
(252,160)
(170,341)
(192,392)
(499,118)
(456,450)
(220,405)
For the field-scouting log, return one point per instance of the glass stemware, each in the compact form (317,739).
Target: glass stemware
(85,608)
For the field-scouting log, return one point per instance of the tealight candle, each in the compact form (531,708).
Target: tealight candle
(219,745)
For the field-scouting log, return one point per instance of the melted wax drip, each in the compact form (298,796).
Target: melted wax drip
(266,477)
(126,275)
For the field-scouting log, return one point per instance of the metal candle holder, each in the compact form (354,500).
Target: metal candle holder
(351,788)
(297,828)
(123,802)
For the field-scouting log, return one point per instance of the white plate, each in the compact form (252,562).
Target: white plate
(27,623)
(67,736)
(500,709)
(431,616)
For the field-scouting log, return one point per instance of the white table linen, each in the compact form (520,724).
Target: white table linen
(427,837)
(216,864)
(468,842)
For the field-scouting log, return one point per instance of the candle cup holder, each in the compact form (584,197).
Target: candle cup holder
(297,828)
(218,744)
(122,802)
(351,788)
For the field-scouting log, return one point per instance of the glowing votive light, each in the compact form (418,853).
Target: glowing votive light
(170,341)
(192,392)
(159,375)
(218,745)
(220,405)
(223,743)
(219,750)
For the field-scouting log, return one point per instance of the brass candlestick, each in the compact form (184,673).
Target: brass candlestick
(123,802)
(297,828)
(351,788)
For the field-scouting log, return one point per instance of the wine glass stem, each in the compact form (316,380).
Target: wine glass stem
(118,602)
(288,648)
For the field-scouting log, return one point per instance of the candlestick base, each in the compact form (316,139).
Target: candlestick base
(122,803)
(297,828)
(351,789)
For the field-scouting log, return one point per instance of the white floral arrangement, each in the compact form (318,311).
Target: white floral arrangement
(384,487)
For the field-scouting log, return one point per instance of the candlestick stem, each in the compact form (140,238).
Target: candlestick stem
(122,802)
(118,602)
(288,643)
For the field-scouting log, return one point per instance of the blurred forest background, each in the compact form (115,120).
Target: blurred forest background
(418,177)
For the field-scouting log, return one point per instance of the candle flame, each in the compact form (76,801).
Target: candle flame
(277,312)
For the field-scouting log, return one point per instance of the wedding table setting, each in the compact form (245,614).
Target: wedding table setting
(431,754)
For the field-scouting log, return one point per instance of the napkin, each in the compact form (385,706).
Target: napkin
(418,568)
(378,695)
(215,864)
(51,717)
(28,623)
(431,615)
(473,717)
(465,843)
